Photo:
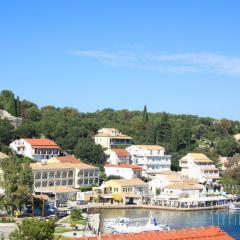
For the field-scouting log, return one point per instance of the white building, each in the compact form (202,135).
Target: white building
(126,171)
(37,149)
(199,166)
(151,158)
(48,175)
(117,156)
(160,181)
(184,190)
(111,137)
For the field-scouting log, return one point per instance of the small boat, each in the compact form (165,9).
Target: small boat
(234,206)
(127,225)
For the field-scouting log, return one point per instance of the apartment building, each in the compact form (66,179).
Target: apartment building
(126,190)
(151,158)
(35,148)
(63,174)
(124,170)
(199,166)
(117,156)
(111,137)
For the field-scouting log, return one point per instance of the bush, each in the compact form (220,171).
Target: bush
(76,214)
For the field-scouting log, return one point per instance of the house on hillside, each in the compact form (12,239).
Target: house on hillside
(35,148)
(199,166)
(117,156)
(111,137)
(151,158)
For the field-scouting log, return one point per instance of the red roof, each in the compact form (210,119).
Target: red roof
(70,159)
(124,165)
(201,233)
(121,152)
(41,143)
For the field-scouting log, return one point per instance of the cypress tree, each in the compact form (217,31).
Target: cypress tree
(12,106)
(145,115)
(18,107)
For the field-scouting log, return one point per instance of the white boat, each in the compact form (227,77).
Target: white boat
(127,225)
(234,206)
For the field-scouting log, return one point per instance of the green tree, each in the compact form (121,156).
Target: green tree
(17,183)
(228,147)
(89,152)
(34,229)
(12,106)
(145,115)
(18,107)
(76,214)
(6,132)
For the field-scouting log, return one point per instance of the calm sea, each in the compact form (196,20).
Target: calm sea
(229,221)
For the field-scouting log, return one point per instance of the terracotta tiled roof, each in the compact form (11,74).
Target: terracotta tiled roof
(184,186)
(200,157)
(70,159)
(41,143)
(56,190)
(124,165)
(201,233)
(121,152)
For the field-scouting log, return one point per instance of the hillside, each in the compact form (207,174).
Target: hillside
(73,130)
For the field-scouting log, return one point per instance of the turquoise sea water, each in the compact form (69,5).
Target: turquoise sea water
(229,221)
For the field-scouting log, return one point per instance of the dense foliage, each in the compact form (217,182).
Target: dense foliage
(33,228)
(17,183)
(73,130)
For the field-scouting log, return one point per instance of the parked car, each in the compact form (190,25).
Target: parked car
(81,202)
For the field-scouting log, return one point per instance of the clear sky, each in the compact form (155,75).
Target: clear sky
(178,56)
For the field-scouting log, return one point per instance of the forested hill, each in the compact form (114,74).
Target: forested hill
(73,130)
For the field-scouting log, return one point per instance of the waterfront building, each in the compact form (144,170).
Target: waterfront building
(54,174)
(117,156)
(128,191)
(35,148)
(200,167)
(127,171)
(203,233)
(184,189)
(111,137)
(160,181)
(151,158)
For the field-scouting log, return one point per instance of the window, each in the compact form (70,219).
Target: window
(49,151)
(80,182)
(70,182)
(90,173)
(85,173)
(70,173)
(37,184)
(58,183)
(45,175)
(64,182)
(96,180)
(80,174)
(96,173)
(51,183)
(55,151)
(38,175)
(85,181)
(90,181)
(129,189)
(115,189)
(57,174)
(43,151)
(64,174)
(51,174)
(44,183)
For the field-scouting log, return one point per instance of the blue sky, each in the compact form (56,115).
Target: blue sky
(174,56)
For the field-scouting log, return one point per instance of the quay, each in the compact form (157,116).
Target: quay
(150,206)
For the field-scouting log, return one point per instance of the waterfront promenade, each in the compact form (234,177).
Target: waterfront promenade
(149,206)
